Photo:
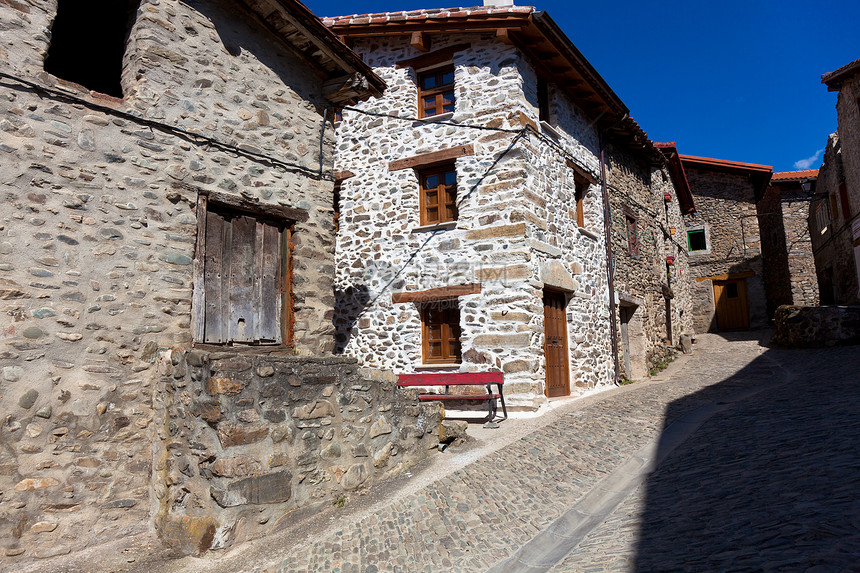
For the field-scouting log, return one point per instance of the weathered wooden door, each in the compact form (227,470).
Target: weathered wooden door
(246,279)
(730,299)
(555,344)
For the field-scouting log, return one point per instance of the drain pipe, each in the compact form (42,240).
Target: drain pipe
(610,265)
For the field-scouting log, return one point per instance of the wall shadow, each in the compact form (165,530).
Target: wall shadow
(769,482)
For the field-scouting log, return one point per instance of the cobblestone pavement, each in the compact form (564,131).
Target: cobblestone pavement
(768,480)
(759,470)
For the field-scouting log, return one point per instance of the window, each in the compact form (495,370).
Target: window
(245,297)
(336,205)
(843,199)
(822,216)
(834,207)
(438,194)
(543,100)
(440,327)
(632,233)
(436,91)
(697,240)
(732,290)
(88,43)
(580,186)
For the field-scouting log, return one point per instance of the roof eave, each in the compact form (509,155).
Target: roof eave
(834,79)
(338,62)
(759,175)
(679,177)
(526,30)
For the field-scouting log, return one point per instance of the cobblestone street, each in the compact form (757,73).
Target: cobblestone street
(757,468)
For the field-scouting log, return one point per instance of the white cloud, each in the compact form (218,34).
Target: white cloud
(809,161)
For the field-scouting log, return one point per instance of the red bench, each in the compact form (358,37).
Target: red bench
(460,379)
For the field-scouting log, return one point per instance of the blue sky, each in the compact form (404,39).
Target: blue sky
(735,80)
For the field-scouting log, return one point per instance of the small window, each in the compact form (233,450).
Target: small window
(632,234)
(336,205)
(246,284)
(843,199)
(732,290)
(834,207)
(436,92)
(580,186)
(440,322)
(438,194)
(543,100)
(697,240)
(822,216)
(88,40)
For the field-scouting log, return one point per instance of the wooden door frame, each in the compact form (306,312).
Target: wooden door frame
(566,346)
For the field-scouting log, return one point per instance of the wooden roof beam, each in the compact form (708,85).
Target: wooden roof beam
(420,41)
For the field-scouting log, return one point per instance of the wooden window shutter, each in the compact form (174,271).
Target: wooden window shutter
(244,280)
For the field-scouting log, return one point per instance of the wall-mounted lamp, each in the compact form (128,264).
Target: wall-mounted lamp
(806,185)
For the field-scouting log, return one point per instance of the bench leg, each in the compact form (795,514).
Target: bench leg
(502,398)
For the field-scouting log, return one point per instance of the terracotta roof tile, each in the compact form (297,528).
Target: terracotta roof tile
(425,14)
(710,161)
(795,175)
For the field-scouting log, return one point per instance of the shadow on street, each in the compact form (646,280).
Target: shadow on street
(770,482)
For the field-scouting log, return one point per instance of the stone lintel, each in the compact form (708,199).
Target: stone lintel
(516,230)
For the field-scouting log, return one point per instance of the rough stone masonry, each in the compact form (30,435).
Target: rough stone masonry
(97,254)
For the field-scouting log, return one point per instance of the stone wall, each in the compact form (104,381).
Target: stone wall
(516,232)
(725,205)
(812,327)
(245,440)
(832,245)
(642,280)
(97,241)
(837,249)
(789,267)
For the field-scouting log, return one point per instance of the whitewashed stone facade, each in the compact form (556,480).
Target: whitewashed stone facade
(516,233)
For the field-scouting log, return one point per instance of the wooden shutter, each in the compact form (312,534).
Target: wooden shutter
(243,279)
(441,333)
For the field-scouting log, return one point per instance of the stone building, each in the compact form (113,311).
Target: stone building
(724,243)
(648,193)
(471,224)
(168,186)
(789,268)
(833,222)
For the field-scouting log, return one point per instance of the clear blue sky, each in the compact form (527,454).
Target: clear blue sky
(737,80)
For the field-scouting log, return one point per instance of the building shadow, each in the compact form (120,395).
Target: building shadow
(769,481)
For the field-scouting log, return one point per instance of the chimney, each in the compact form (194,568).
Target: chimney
(498,2)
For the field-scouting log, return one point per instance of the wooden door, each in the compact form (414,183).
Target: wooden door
(247,280)
(625,314)
(730,299)
(555,344)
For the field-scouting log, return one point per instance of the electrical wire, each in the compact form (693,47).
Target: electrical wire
(173,130)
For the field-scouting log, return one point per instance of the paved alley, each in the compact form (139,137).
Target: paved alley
(759,470)
(739,457)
